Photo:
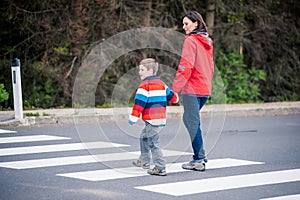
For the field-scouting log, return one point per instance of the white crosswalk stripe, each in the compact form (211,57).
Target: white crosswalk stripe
(6,131)
(57,148)
(108,174)
(288,197)
(70,160)
(33,138)
(224,183)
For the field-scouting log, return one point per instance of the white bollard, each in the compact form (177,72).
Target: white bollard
(17,89)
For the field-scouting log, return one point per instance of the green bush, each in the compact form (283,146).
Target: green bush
(241,83)
(3,93)
(32,114)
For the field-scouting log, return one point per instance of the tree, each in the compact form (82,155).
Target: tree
(51,39)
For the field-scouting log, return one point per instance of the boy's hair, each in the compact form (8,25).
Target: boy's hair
(150,63)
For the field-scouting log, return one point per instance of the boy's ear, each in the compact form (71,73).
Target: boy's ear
(153,71)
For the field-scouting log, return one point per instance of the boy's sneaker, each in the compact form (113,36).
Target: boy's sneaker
(157,172)
(139,163)
(194,166)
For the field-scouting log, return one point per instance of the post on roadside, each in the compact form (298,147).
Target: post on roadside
(17,89)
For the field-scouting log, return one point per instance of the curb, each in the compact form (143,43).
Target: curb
(67,116)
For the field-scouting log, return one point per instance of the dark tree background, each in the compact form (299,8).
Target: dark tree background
(51,37)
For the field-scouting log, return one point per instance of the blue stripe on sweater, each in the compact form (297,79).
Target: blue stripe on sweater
(139,102)
(169,94)
(153,99)
(150,105)
(156,104)
(141,97)
(156,99)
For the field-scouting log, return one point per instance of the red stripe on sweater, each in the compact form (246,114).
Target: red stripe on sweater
(154,113)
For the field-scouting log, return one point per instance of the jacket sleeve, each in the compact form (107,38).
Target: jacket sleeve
(186,64)
(140,101)
(171,96)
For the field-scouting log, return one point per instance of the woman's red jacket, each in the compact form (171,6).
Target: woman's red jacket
(196,68)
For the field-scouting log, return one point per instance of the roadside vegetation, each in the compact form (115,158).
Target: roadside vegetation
(256,46)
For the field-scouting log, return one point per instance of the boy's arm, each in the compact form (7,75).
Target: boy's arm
(140,101)
(171,96)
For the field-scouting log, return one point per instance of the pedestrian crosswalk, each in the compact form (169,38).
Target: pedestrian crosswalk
(27,146)
(101,175)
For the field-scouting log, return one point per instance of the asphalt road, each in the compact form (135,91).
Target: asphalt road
(254,158)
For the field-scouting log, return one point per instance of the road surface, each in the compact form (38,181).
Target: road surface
(254,158)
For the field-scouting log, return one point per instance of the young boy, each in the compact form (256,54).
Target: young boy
(150,102)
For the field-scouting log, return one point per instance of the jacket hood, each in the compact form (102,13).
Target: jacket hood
(203,38)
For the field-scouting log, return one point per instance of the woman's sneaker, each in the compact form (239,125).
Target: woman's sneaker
(139,163)
(157,172)
(198,166)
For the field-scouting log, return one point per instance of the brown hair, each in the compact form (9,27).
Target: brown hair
(196,17)
(150,63)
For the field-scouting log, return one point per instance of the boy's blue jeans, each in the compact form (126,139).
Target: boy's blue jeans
(149,143)
(191,119)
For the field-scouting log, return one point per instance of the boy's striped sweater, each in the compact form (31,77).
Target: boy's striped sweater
(151,101)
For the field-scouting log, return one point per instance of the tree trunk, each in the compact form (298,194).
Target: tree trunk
(147,15)
(147,20)
(210,16)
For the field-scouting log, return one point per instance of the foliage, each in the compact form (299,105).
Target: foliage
(241,84)
(266,34)
(32,114)
(51,38)
(3,93)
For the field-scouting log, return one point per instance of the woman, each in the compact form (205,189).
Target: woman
(193,80)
